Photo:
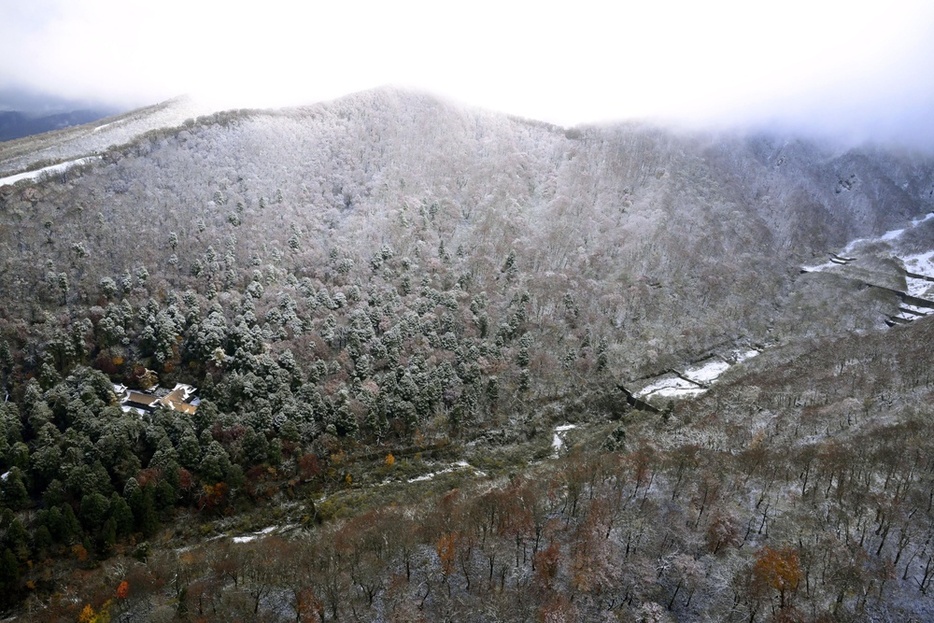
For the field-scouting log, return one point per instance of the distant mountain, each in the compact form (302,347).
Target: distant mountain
(16,124)
(24,113)
(30,152)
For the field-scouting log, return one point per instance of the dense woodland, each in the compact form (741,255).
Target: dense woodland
(370,290)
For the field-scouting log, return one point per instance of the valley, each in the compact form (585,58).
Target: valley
(454,365)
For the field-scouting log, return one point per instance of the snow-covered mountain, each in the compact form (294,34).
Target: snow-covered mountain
(482,368)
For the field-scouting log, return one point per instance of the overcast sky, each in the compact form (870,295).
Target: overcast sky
(855,68)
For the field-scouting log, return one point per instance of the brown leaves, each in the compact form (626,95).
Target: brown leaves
(308,467)
(779,569)
(307,605)
(79,552)
(546,565)
(213,496)
(446,547)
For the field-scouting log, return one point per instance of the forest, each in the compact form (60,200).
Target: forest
(387,304)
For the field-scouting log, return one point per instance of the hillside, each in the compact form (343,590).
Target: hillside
(391,276)
(611,215)
(93,137)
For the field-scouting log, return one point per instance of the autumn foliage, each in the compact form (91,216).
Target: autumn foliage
(446,548)
(779,569)
(213,497)
(87,614)
(546,565)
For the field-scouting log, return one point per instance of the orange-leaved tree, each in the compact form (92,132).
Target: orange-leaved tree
(779,569)
(447,549)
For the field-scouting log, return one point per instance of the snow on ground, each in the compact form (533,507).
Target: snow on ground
(921,288)
(739,356)
(255,535)
(665,385)
(892,234)
(820,268)
(429,475)
(677,392)
(695,379)
(708,372)
(243,539)
(55,168)
(558,441)
(920,263)
(447,470)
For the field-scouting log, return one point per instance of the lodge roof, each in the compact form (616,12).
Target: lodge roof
(181,399)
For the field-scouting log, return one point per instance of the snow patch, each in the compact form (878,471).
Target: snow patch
(739,356)
(920,288)
(889,236)
(666,385)
(454,466)
(255,535)
(244,539)
(694,380)
(679,392)
(557,441)
(892,234)
(820,268)
(55,168)
(708,372)
(920,263)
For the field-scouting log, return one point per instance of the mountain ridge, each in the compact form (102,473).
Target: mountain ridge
(389,148)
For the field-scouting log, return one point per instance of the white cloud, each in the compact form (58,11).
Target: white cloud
(795,62)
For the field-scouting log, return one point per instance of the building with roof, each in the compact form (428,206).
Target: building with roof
(181,399)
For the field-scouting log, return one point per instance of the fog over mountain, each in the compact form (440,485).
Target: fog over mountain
(454,364)
(856,73)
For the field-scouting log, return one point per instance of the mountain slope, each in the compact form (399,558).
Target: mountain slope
(69,143)
(362,287)
(666,236)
